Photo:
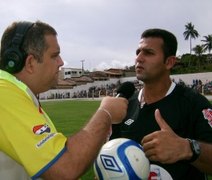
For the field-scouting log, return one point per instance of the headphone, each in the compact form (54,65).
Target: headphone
(14,57)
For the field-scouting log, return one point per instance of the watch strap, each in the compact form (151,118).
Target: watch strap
(195,147)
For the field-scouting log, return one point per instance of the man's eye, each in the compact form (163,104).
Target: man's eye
(148,53)
(137,52)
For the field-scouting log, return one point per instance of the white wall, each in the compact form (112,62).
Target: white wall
(187,78)
(76,89)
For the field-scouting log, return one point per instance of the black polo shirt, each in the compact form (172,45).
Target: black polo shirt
(186,112)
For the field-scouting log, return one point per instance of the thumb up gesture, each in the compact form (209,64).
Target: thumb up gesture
(164,145)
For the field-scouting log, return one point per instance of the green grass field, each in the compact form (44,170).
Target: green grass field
(71,116)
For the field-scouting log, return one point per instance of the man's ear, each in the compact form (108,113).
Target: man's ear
(170,62)
(30,63)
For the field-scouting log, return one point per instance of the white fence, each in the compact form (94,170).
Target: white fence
(64,93)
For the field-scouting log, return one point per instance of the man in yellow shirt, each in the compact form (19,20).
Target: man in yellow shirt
(30,146)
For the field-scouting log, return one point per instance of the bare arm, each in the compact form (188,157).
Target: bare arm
(83,147)
(204,162)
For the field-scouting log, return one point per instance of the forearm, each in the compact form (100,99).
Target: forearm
(85,145)
(204,162)
(82,148)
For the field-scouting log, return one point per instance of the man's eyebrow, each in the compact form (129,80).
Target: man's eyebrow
(144,50)
(57,52)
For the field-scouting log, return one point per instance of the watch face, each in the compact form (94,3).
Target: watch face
(196,147)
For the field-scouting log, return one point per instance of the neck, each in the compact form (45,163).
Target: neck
(153,92)
(26,79)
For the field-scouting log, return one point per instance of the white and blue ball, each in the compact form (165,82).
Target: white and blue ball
(121,159)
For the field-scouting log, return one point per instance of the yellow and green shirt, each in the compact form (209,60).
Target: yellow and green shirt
(29,142)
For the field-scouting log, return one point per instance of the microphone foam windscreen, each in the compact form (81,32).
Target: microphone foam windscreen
(126,89)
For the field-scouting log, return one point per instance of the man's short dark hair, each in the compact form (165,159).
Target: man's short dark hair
(169,39)
(34,41)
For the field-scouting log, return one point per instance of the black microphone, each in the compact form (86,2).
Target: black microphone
(126,90)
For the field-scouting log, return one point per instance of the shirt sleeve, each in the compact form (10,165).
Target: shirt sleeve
(203,116)
(27,134)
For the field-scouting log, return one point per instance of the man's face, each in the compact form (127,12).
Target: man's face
(47,71)
(149,62)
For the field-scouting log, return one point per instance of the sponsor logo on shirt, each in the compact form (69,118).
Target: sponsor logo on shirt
(40,129)
(43,141)
(129,122)
(207,113)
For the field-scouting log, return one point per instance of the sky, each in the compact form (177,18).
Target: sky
(102,34)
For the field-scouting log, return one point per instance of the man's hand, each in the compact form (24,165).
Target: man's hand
(164,145)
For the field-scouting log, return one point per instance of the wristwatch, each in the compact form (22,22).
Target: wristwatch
(195,147)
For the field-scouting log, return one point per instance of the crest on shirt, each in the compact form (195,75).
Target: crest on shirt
(40,129)
(207,113)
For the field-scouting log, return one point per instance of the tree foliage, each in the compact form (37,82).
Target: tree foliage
(190,33)
(207,43)
(197,62)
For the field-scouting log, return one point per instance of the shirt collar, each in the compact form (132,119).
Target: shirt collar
(12,79)
(141,98)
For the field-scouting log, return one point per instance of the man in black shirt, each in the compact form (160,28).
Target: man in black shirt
(172,122)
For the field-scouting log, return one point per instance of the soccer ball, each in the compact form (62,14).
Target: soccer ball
(121,159)
(157,172)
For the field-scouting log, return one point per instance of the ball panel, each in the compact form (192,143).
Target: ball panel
(121,159)
(97,171)
(138,161)
(133,149)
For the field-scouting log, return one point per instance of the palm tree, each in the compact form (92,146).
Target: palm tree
(208,43)
(190,33)
(199,50)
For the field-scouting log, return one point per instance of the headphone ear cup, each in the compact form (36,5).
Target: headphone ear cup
(13,60)
(14,57)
